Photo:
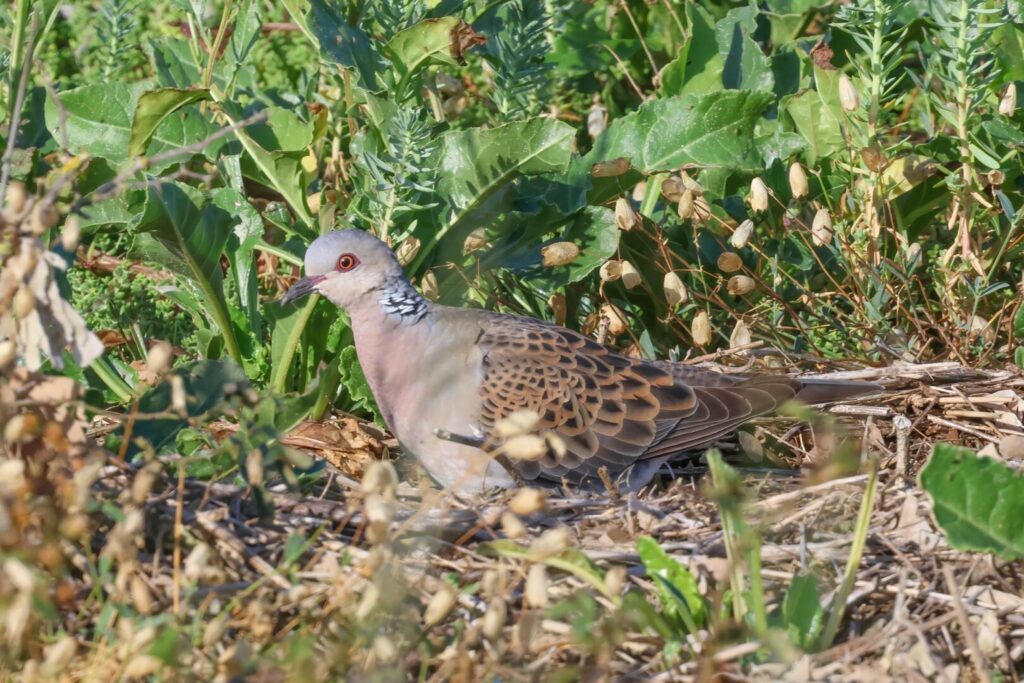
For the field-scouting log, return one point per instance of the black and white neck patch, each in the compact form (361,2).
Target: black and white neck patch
(398,298)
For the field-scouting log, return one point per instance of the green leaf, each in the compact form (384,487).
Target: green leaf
(339,42)
(97,120)
(674,580)
(699,65)
(411,49)
(356,386)
(181,231)
(477,169)
(1018,356)
(802,613)
(977,501)
(713,130)
(153,107)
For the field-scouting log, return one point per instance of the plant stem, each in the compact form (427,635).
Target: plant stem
(109,376)
(279,374)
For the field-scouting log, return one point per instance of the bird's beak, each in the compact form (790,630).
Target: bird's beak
(303,287)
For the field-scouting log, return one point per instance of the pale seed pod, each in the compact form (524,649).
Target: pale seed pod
(848,97)
(758,195)
(913,256)
(597,120)
(494,619)
(59,655)
(1008,102)
(141,666)
(675,290)
(512,526)
(24,302)
(254,467)
(313,202)
(672,189)
(686,203)
(740,335)
(740,285)
(558,307)
(142,483)
(625,216)
(215,630)
(20,576)
(8,354)
(142,598)
(159,357)
(616,319)
(384,649)
(701,210)
(741,235)
(630,276)
(536,589)
(551,543)
(729,262)
(691,184)
(15,199)
(429,286)
(22,428)
(615,580)
(440,604)
(518,422)
(475,241)
(71,234)
(559,254)
(611,270)
(408,250)
(797,180)
(639,191)
(528,501)
(700,329)
(821,228)
(44,216)
(379,478)
(525,447)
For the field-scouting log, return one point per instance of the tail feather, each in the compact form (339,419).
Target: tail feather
(830,390)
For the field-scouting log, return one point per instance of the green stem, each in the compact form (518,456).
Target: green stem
(106,372)
(279,375)
(21,13)
(860,537)
(225,19)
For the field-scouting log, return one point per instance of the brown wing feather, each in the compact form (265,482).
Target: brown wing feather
(606,408)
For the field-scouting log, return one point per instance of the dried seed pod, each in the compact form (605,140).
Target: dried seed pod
(528,501)
(15,199)
(729,262)
(512,526)
(848,97)
(22,428)
(558,307)
(686,204)
(379,478)
(8,354)
(616,319)
(71,234)
(691,184)
(701,210)
(758,195)
(740,334)
(159,357)
(440,604)
(408,250)
(615,579)
(384,649)
(675,290)
(611,270)
(629,274)
(44,216)
(429,286)
(525,447)
(1008,102)
(142,598)
(740,285)
(913,256)
(742,234)
(639,191)
(551,543)
(625,216)
(59,656)
(751,446)
(518,422)
(821,228)
(494,619)
(536,589)
(610,168)
(141,666)
(700,329)
(559,254)
(672,189)
(597,120)
(19,574)
(797,180)
(475,241)
(254,467)
(24,302)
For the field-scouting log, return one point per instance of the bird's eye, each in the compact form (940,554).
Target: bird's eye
(347,262)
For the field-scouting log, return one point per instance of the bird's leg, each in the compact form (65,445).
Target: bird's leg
(445,435)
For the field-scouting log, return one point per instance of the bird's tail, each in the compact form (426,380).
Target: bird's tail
(831,390)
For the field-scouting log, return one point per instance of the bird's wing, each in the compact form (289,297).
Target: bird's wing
(607,409)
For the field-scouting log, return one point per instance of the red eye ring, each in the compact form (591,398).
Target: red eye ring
(347,262)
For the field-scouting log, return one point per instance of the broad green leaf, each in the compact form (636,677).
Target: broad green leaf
(714,130)
(97,120)
(477,168)
(817,124)
(182,232)
(417,45)
(802,614)
(323,23)
(153,107)
(675,579)
(977,501)
(356,386)
(246,232)
(698,66)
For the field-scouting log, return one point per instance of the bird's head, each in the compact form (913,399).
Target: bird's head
(346,266)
